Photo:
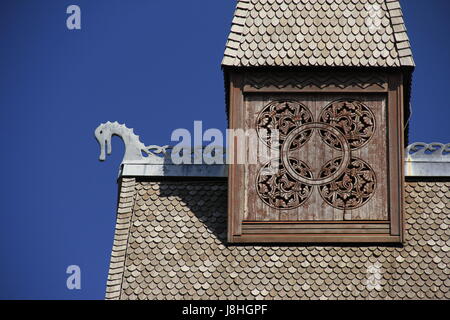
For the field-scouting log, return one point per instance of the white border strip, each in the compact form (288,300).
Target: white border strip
(412,169)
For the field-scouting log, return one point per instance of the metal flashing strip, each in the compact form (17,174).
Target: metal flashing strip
(172,170)
(427,160)
(412,169)
(421,160)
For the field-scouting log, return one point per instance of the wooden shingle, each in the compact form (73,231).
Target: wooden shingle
(338,33)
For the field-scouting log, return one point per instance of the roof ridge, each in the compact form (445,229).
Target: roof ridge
(237,27)
(401,36)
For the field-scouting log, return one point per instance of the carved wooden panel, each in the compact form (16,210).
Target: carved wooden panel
(329,169)
(338,174)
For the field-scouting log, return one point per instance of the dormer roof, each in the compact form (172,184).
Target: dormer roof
(318,33)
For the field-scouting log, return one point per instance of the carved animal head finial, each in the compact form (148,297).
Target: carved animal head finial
(133,145)
(134,148)
(103,135)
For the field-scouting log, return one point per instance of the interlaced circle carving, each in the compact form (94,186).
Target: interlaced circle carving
(333,132)
(346,182)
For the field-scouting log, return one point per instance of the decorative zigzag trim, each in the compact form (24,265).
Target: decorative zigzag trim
(320,80)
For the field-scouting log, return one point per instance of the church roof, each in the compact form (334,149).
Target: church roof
(323,33)
(170,243)
(170,239)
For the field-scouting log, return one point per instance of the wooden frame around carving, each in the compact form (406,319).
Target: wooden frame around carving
(328,81)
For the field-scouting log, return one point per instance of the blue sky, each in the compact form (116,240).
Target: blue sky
(154,65)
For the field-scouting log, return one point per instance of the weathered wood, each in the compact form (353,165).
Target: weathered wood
(395,137)
(317,238)
(236,186)
(315,81)
(324,117)
(256,226)
(345,230)
(315,153)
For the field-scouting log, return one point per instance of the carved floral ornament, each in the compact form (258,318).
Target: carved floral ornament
(345,182)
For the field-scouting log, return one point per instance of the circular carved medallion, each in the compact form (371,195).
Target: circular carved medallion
(284,116)
(355,121)
(278,189)
(352,189)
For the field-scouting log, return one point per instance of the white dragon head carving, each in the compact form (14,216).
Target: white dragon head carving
(134,148)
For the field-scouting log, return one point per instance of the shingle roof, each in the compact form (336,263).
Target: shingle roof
(170,243)
(347,33)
